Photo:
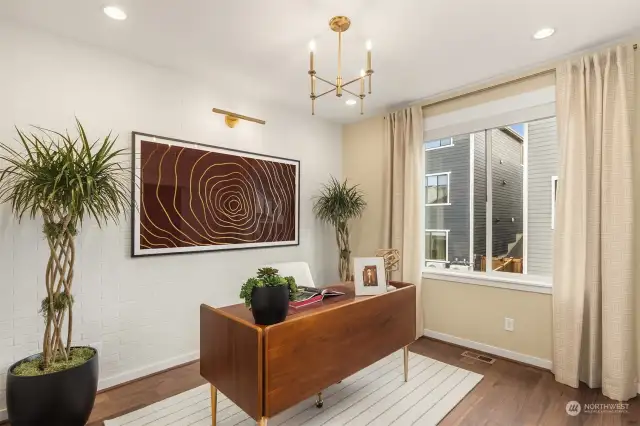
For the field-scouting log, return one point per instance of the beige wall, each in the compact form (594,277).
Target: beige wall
(363,165)
(636,145)
(477,313)
(463,310)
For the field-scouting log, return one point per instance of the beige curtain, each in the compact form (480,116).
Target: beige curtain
(593,294)
(403,223)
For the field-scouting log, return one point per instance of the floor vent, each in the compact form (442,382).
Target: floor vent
(479,357)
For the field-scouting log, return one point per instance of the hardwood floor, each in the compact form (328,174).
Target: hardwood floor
(510,394)
(513,394)
(133,396)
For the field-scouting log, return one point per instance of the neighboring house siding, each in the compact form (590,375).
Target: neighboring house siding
(543,164)
(506,166)
(455,217)
(479,199)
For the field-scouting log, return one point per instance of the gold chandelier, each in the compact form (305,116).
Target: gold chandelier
(339,24)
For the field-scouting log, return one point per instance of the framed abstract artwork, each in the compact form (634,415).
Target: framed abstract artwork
(190,197)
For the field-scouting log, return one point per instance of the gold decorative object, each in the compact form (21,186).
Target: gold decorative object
(231,118)
(339,24)
(391,260)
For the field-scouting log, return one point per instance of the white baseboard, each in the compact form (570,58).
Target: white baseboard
(494,350)
(3,415)
(147,370)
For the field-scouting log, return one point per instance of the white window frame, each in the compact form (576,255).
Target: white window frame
(448,203)
(533,106)
(438,147)
(446,249)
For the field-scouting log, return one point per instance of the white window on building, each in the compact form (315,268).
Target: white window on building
(437,188)
(438,143)
(436,245)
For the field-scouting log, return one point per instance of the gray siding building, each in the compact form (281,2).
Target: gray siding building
(543,166)
(453,216)
(507,173)
(465,156)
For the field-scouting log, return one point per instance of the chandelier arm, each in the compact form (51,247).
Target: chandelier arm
(325,93)
(351,93)
(326,81)
(352,81)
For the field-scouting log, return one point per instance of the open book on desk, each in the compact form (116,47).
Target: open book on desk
(309,295)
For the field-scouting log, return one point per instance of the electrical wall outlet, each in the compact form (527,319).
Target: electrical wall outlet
(509,324)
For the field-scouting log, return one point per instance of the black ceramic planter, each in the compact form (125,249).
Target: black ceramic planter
(64,398)
(270,305)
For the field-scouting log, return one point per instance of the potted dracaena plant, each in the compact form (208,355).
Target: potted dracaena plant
(268,294)
(64,180)
(336,205)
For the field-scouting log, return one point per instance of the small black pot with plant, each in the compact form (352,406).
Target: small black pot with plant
(64,180)
(268,295)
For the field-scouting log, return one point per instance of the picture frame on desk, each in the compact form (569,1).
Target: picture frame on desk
(369,276)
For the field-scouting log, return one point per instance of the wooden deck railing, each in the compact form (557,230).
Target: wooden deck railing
(504,264)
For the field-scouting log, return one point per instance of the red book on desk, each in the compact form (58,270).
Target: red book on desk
(309,295)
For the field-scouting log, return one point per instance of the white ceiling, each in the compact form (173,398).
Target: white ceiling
(420,47)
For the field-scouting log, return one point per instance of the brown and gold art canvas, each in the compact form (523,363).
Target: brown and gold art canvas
(193,198)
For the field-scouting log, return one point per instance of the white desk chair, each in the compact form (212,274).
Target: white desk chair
(298,270)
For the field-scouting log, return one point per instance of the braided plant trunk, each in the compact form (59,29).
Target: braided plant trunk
(60,235)
(344,250)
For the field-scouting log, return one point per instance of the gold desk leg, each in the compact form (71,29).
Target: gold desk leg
(406,363)
(214,404)
(263,421)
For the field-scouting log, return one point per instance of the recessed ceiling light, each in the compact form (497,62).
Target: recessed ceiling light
(351,102)
(544,33)
(116,13)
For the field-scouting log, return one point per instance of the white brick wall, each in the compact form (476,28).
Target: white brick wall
(144,312)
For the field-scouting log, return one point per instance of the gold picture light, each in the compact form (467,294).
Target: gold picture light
(231,118)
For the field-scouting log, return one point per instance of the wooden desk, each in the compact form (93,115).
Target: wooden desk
(267,369)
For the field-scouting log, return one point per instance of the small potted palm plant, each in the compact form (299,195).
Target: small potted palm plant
(64,181)
(337,204)
(268,295)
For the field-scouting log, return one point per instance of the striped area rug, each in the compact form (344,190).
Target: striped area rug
(376,395)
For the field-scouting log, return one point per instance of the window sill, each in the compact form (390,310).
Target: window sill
(523,283)
(438,204)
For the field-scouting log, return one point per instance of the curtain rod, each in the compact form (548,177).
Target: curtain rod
(494,86)
(491,87)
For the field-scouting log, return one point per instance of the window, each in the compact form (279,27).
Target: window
(437,188)
(436,242)
(438,143)
(501,219)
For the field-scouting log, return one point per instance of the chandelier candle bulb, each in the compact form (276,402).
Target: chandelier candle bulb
(312,49)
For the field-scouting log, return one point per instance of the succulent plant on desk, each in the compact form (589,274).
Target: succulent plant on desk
(268,294)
